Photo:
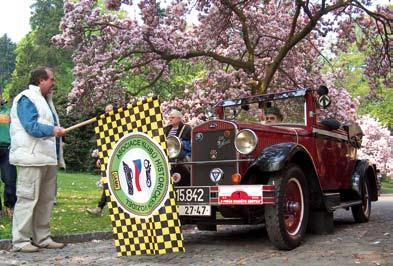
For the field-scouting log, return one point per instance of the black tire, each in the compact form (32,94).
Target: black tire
(286,221)
(361,213)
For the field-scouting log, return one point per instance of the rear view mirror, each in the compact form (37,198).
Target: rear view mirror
(245,107)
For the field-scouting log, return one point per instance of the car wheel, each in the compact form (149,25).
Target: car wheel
(286,221)
(361,213)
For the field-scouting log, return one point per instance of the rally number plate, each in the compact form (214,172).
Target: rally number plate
(194,210)
(192,195)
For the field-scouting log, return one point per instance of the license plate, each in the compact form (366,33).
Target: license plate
(192,195)
(240,195)
(194,210)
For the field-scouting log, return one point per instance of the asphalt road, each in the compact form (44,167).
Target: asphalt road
(351,244)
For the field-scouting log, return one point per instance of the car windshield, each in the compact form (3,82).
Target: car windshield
(285,111)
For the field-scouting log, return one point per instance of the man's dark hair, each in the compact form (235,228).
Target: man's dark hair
(274,111)
(39,74)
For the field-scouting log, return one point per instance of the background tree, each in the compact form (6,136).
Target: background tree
(36,49)
(374,39)
(7,59)
(362,67)
(377,145)
(349,69)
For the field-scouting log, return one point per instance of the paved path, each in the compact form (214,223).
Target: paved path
(351,244)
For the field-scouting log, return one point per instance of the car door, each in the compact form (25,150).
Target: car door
(332,152)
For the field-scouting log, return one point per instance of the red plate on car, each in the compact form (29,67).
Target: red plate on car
(239,195)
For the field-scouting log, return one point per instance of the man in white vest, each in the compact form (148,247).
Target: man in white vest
(37,153)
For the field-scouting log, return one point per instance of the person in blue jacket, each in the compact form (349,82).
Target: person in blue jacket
(37,152)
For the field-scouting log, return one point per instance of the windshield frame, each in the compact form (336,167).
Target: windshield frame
(261,99)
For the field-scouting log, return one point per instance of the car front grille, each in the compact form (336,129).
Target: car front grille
(213,143)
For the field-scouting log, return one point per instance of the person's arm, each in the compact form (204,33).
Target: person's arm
(186,132)
(186,145)
(28,116)
(186,141)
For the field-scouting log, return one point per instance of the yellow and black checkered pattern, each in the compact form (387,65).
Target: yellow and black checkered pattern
(161,233)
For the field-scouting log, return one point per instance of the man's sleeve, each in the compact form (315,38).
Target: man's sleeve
(187,132)
(28,116)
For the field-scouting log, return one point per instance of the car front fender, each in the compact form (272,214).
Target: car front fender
(275,157)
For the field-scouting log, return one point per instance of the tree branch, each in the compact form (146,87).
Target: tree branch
(295,18)
(384,21)
(296,38)
(289,77)
(237,64)
(243,21)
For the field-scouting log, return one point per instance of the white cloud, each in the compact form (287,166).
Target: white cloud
(14,18)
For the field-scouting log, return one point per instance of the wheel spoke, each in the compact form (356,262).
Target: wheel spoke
(293,206)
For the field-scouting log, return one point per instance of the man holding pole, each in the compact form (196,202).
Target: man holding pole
(37,153)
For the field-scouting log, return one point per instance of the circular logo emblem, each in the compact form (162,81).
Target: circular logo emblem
(199,137)
(138,175)
(216,174)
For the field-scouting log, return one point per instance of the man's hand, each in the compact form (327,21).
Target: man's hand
(59,131)
(98,163)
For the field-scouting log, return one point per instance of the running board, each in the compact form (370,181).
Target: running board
(346,205)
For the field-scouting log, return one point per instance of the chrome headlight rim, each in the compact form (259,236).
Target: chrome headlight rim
(174,146)
(253,137)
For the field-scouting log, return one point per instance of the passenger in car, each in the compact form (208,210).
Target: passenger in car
(177,128)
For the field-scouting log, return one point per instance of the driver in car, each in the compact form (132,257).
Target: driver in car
(270,116)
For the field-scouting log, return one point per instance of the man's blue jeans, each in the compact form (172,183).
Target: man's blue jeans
(8,176)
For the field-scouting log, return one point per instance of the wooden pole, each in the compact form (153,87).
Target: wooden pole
(81,124)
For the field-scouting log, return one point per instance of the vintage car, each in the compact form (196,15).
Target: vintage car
(290,175)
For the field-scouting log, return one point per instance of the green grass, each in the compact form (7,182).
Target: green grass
(76,192)
(387,187)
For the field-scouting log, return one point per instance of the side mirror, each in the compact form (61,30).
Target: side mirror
(324,100)
(322,90)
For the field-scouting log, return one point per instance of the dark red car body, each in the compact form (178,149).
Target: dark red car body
(304,171)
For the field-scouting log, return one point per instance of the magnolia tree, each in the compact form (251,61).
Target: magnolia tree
(246,46)
(373,38)
(377,145)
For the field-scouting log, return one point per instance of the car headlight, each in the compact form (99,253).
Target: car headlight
(173,146)
(246,141)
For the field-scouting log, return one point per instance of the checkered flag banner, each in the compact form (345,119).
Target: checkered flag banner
(161,232)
